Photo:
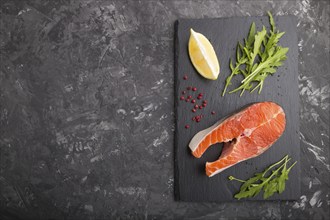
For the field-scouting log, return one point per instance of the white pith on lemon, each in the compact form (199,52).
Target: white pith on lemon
(202,56)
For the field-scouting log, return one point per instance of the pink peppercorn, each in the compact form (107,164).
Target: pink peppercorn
(194,89)
(187,126)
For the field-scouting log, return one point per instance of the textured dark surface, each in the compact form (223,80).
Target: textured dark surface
(86,109)
(191,182)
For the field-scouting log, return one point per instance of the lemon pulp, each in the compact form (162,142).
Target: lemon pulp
(203,56)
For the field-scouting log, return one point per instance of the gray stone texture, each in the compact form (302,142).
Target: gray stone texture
(86,109)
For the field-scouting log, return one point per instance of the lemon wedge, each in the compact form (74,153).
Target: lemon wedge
(202,56)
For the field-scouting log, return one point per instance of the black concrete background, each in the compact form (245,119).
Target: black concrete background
(86,109)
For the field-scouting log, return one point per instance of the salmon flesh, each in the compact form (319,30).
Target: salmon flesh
(245,134)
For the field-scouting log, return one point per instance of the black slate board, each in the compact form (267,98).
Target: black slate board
(191,182)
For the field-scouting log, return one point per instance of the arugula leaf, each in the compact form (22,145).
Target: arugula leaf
(257,43)
(253,191)
(284,176)
(235,70)
(247,183)
(238,53)
(271,21)
(271,184)
(258,58)
(252,31)
(270,188)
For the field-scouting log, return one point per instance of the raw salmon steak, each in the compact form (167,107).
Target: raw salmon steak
(245,134)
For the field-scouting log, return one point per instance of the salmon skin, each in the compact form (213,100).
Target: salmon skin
(245,134)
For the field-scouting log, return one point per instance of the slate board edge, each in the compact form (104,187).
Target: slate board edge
(176,169)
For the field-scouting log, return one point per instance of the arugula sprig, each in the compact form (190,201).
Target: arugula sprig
(260,56)
(272,180)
